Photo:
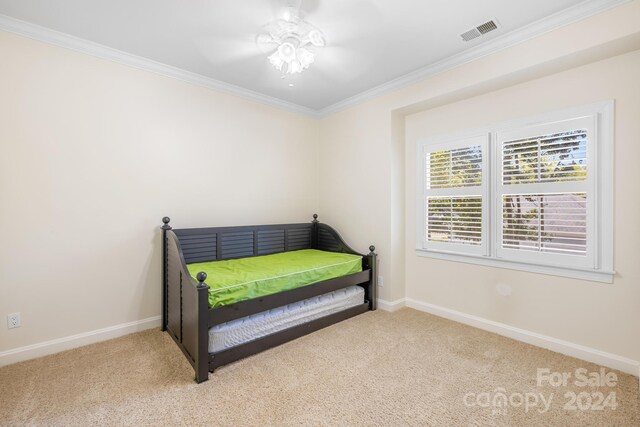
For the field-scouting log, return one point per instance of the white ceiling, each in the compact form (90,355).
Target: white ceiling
(369,42)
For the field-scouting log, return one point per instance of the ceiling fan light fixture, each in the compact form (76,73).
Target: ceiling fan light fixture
(293,37)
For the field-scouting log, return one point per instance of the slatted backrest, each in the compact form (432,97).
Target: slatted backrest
(219,243)
(198,247)
(270,241)
(299,238)
(238,244)
(328,241)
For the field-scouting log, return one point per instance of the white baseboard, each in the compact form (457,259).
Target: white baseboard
(578,351)
(574,350)
(66,343)
(391,305)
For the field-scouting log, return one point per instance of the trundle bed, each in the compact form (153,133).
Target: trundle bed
(230,292)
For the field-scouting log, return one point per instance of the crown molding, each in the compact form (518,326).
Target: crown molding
(68,41)
(568,16)
(576,13)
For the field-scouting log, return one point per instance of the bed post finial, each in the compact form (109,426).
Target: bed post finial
(166,225)
(315,218)
(202,276)
(372,249)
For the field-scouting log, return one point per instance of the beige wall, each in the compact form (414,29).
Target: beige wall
(365,195)
(355,182)
(598,315)
(93,154)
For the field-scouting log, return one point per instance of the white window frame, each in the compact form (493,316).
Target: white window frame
(597,265)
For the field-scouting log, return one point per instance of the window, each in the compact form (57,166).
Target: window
(533,194)
(454,196)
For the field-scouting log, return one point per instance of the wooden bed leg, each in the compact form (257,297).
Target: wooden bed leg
(165,227)
(373,283)
(202,352)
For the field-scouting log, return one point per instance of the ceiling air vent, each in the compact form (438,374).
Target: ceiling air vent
(479,30)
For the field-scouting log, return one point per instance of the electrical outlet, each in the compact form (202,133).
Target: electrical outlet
(380,281)
(13,320)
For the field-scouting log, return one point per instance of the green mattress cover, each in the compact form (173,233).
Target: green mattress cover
(241,279)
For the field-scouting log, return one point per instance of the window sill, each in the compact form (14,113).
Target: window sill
(591,275)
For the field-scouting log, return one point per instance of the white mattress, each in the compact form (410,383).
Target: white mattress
(258,325)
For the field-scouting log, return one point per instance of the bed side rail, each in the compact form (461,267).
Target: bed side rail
(241,309)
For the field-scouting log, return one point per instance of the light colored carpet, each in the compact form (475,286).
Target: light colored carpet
(387,369)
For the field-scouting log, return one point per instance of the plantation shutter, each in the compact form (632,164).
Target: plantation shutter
(455,196)
(545,193)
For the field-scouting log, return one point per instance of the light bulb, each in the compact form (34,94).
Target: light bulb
(295,67)
(287,52)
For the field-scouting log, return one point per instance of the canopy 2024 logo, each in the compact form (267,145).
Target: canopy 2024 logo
(499,400)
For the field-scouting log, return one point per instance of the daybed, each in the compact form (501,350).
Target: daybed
(267,284)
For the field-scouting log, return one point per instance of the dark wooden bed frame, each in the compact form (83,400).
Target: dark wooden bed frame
(185,302)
